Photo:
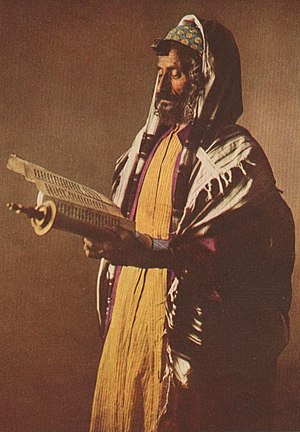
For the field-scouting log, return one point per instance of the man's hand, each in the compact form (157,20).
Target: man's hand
(125,249)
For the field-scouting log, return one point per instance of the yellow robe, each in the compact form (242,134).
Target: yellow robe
(128,390)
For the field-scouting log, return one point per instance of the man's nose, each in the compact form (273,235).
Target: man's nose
(163,83)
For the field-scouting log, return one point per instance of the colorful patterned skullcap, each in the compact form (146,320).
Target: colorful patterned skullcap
(187,34)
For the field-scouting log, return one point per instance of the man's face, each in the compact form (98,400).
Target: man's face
(171,91)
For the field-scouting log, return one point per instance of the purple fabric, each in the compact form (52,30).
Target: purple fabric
(175,173)
(209,243)
(112,299)
(184,133)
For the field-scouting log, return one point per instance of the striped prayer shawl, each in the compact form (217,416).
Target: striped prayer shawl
(231,173)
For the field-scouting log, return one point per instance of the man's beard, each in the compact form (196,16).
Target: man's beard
(173,109)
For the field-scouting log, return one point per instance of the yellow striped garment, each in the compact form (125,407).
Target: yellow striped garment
(128,391)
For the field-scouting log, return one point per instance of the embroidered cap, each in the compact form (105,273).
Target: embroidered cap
(187,34)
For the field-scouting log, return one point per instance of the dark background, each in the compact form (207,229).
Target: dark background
(76,82)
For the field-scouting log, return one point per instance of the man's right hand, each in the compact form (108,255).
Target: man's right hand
(123,248)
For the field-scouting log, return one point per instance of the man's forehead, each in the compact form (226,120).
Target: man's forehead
(169,59)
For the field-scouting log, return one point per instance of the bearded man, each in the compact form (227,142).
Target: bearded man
(195,301)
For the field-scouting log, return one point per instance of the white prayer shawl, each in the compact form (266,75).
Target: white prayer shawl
(214,164)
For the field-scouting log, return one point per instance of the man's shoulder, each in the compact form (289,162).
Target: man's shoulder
(234,141)
(234,146)
(233,133)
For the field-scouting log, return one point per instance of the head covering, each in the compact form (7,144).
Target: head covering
(221,101)
(187,34)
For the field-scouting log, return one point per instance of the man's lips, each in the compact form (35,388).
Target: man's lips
(167,105)
(166,101)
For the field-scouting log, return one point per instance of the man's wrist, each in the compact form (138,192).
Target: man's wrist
(151,243)
(158,244)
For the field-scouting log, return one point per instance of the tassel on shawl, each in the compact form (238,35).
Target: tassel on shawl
(224,179)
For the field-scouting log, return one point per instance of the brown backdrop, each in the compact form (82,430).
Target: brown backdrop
(77,78)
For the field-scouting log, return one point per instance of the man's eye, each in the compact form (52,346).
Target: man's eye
(176,75)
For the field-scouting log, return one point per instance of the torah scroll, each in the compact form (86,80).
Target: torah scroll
(65,204)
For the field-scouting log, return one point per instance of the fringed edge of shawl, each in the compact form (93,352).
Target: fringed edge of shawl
(224,179)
